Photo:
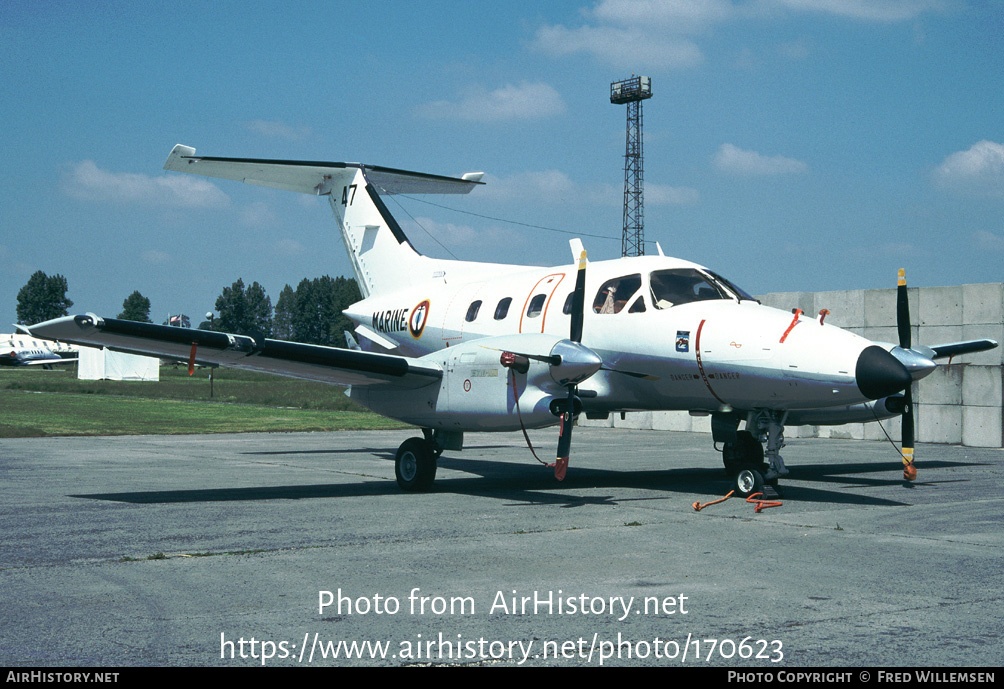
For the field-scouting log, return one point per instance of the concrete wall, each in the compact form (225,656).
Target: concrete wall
(959,403)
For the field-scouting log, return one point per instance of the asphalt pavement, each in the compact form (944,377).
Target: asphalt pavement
(297,549)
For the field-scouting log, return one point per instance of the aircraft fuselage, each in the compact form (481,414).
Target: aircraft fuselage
(708,350)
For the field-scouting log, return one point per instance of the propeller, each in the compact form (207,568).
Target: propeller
(570,363)
(903,326)
(575,335)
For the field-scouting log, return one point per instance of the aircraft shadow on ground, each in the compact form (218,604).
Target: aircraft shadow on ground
(523,484)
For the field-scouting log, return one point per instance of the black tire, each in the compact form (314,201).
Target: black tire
(415,465)
(745,452)
(748,482)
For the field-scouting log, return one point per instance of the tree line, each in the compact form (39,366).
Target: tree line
(310,313)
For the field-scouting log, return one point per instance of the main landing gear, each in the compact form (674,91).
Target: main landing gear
(415,462)
(415,465)
(744,458)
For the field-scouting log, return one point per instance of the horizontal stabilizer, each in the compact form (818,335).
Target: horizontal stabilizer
(314,177)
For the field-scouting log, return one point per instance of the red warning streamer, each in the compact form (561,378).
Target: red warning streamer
(794,322)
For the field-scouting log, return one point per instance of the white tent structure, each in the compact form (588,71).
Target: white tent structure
(103,364)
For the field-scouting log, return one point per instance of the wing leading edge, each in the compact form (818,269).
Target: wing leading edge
(291,359)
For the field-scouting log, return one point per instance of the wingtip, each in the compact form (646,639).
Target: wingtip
(177,153)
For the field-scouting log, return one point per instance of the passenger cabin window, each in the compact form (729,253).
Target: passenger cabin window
(472,311)
(536,306)
(684,285)
(567,308)
(502,310)
(615,294)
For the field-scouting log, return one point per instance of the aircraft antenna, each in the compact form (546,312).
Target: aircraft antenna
(632,92)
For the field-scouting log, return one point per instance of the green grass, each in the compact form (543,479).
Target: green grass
(45,403)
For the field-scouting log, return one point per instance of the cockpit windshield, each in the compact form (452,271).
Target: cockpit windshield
(684,285)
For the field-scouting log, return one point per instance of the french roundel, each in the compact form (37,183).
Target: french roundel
(417,320)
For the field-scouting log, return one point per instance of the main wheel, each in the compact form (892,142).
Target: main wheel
(415,465)
(748,482)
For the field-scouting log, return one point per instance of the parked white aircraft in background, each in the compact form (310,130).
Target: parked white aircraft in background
(456,346)
(20,349)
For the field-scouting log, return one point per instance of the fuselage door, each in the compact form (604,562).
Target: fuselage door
(535,309)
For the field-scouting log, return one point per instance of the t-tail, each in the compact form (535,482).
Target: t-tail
(382,257)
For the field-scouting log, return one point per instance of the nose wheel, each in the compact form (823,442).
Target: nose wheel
(748,482)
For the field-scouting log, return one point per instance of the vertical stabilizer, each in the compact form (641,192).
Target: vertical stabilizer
(382,257)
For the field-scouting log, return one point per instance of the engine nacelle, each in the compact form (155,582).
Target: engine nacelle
(885,408)
(477,392)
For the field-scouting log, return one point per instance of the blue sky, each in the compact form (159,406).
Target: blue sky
(790,144)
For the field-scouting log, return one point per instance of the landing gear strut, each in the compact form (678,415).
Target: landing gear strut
(744,458)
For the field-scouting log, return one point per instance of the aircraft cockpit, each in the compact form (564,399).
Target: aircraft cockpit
(666,288)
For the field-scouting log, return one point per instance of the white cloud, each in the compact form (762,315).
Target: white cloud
(448,233)
(157,258)
(552,185)
(289,247)
(978,171)
(657,34)
(988,241)
(638,34)
(556,187)
(662,195)
(866,10)
(734,160)
(258,214)
(626,48)
(679,15)
(88,182)
(522,102)
(278,130)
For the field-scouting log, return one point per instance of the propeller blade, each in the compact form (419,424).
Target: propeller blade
(579,300)
(575,335)
(903,311)
(909,470)
(903,326)
(565,437)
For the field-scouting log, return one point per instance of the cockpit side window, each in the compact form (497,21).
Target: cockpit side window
(616,293)
(567,308)
(682,286)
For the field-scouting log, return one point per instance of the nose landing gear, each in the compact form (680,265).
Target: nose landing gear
(744,458)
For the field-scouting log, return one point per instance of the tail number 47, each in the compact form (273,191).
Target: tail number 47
(348,194)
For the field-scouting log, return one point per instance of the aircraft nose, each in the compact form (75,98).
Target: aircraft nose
(880,374)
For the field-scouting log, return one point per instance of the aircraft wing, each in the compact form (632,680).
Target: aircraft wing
(49,362)
(291,359)
(960,348)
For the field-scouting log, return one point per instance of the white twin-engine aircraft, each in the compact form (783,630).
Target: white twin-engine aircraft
(455,346)
(16,350)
